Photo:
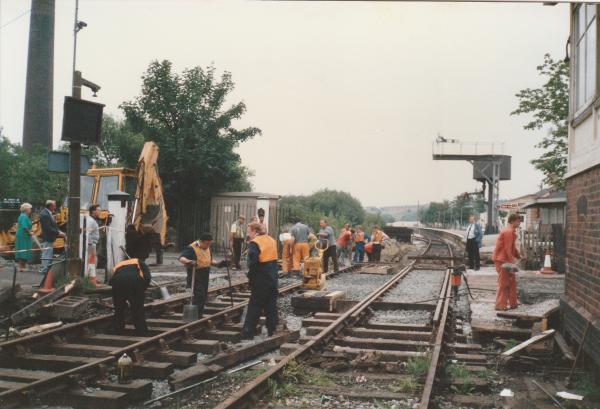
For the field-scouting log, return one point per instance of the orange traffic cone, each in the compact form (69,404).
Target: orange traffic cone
(48,285)
(92,269)
(547,269)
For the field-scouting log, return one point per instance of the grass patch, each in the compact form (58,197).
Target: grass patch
(294,374)
(245,374)
(462,375)
(418,367)
(458,371)
(586,386)
(511,343)
(318,378)
(408,385)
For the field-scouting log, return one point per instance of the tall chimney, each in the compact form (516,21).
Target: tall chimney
(37,123)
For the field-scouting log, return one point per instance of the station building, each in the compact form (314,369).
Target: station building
(580,305)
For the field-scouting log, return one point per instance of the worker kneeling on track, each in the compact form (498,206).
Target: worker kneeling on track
(198,259)
(262,275)
(129,282)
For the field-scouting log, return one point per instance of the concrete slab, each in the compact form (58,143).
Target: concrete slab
(532,288)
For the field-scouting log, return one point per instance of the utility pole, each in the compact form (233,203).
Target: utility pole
(74,263)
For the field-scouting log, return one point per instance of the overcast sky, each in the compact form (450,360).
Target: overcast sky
(349,96)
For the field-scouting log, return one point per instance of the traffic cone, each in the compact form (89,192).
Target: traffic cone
(547,269)
(92,269)
(48,284)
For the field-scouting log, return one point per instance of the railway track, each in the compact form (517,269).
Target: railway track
(73,364)
(366,336)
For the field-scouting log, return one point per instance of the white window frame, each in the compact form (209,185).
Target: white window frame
(576,42)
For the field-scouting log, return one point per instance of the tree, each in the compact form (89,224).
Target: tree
(549,106)
(24,174)
(119,145)
(336,206)
(185,115)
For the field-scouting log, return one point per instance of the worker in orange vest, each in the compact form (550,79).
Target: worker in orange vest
(198,255)
(129,282)
(506,253)
(262,276)
(359,244)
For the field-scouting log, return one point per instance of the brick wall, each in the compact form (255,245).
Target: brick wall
(583,240)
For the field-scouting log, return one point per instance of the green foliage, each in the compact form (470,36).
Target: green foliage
(24,174)
(511,343)
(185,115)
(418,366)
(549,107)
(586,386)
(408,384)
(450,212)
(120,146)
(335,206)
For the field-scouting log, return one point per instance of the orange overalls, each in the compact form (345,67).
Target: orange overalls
(506,252)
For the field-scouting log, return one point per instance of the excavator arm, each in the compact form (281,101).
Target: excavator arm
(149,211)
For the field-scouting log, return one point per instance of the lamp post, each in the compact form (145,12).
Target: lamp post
(74,263)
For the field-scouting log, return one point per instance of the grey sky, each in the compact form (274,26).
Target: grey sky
(349,95)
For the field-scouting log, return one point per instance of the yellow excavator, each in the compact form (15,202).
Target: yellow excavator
(148,213)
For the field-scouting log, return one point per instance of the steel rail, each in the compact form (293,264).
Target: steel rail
(243,397)
(150,343)
(443,306)
(173,300)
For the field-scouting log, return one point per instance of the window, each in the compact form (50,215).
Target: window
(108,184)
(87,189)
(585,55)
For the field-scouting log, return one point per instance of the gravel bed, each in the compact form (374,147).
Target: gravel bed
(418,285)
(402,316)
(328,401)
(356,286)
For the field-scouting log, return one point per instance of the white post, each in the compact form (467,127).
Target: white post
(115,234)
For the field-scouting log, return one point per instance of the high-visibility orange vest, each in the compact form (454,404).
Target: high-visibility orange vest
(203,257)
(267,246)
(360,237)
(130,262)
(377,236)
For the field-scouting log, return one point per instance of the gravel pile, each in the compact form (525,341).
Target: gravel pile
(418,285)
(402,317)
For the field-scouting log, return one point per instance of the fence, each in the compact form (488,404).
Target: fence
(534,244)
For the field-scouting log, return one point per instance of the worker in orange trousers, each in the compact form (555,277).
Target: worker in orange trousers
(506,252)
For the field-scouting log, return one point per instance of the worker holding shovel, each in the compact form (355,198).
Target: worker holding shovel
(198,259)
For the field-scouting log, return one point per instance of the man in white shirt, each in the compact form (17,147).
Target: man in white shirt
(92,232)
(236,240)
(474,236)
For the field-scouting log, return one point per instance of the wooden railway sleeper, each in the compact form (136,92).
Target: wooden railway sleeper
(22,350)
(58,339)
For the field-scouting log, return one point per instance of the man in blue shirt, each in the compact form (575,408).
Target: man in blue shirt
(326,233)
(474,236)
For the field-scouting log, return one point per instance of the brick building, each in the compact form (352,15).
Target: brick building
(580,305)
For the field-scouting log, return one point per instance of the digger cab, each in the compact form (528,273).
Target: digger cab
(96,184)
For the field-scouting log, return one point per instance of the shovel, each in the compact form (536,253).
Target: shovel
(190,311)
(164,292)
